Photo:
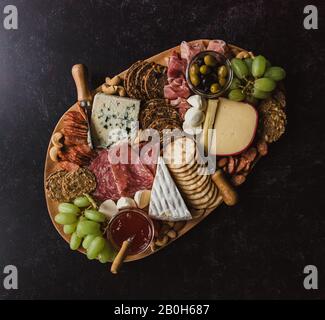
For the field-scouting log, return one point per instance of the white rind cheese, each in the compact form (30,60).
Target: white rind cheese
(114,119)
(166,202)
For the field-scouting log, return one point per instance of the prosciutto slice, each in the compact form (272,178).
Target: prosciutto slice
(176,66)
(218,46)
(177,88)
(189,50)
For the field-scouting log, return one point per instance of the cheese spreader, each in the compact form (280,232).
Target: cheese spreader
(80,76)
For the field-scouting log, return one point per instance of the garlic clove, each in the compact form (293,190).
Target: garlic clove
(108,208)
(142,198)
(126,202)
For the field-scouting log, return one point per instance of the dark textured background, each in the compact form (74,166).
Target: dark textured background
(257,249)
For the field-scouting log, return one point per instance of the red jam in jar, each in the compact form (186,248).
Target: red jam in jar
(128,223)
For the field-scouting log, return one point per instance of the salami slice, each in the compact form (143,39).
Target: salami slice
(130,175)
(106,185)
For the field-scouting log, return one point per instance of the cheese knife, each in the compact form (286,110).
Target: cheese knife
(80,76)
(119,259)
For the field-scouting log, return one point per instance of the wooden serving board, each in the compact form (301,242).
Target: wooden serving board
(51,166)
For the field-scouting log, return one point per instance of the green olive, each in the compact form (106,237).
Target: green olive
(210,60)
(214,88)
(195,69)
(195,79)
(204,69)
(222,72)
(222,81)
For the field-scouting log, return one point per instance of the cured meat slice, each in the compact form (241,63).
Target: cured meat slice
(106,185)
(176,66)
(189,50)
(218,46)
(149,154)
(129,173)
(177,88)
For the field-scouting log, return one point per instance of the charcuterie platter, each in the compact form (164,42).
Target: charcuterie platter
(140,161)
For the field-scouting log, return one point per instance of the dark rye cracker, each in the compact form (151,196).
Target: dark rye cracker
(129,80)
(157,109)
(141,75)
(155,81)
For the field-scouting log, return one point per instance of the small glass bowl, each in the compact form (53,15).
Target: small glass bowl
(132,211)
(222,60)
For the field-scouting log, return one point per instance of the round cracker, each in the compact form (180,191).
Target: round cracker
(211,202)
(203,197)
(197,187)
(198,194)
(206,200)
(179,152)
(192,174)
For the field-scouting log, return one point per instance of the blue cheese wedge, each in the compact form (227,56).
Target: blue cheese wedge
(114,119)
(166,202)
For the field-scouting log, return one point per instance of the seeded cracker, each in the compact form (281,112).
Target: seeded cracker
(78,182)
(53,185)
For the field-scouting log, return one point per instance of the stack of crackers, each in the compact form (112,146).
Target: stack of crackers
(191,174)
(145,80)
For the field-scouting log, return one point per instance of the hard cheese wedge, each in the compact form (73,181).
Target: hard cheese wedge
(234,127)
(113,119)
(166,202)
(210,117)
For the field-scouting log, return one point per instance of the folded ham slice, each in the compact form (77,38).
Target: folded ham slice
(218,46)
(189,50)
(177,88)
(176,66)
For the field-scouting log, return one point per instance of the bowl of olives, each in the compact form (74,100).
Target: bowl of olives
(209,74)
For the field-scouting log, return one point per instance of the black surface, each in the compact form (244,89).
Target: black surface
(257,249)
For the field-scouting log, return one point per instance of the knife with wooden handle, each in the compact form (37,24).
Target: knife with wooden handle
(80,76)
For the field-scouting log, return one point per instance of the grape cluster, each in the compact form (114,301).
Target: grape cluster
(255,78)
(83,222)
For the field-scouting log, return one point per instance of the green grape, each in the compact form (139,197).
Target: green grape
(249,62)
(70,228)
(65,218)
(91,200)
(82,202)
(240,68)
(82,218)
(87,240)
(95,215)
(108,253)
(235,83)
(259,94)
(75,241)
(68,208)
(258,66)
(236,95)
(275,73)
(95,247)
(88,227)
(265,84)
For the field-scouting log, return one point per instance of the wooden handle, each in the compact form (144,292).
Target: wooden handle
(118,261)
(228,192)
(79,74)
